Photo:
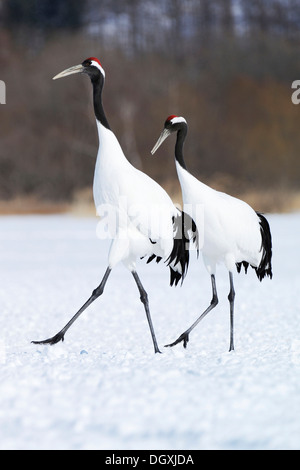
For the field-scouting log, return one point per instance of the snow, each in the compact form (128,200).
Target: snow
(104,388)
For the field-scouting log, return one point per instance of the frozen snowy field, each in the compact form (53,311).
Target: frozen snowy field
(104,388)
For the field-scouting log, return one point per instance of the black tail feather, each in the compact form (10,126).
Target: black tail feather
(152,257)
(265,267)
(185,233)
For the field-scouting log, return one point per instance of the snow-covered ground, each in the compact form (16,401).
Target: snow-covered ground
(104,388)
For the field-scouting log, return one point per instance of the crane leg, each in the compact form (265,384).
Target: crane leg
(96,293)
(231,297)
(144,300)
(214,302)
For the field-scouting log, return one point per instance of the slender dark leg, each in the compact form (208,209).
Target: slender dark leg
(231,297)
(185,336)
(144,300)
(96,293)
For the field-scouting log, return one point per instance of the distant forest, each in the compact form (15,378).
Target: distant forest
(227,66)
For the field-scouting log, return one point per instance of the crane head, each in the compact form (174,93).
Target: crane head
(172,124)
(90,66)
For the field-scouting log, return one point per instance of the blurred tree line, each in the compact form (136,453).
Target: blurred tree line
(226,65)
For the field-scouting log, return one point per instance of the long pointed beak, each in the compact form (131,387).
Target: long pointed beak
(165,133)
(75,69)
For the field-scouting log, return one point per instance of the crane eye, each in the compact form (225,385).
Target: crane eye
(87,63)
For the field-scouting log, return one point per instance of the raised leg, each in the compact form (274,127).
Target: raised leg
(185,336)
(231,297)
(144,300)
(96,293)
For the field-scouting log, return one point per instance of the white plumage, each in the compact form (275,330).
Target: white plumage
(141,217)
(230,231)
(142,209)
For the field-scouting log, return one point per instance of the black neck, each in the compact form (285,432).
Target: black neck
(98,83)
(181,134)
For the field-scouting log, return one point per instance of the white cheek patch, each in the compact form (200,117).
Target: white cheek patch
(178,119)
(99,67)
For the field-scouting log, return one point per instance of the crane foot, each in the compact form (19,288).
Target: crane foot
(55,339)
(184,337)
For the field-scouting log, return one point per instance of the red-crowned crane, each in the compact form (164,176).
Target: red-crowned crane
(147,222)
(233,233)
